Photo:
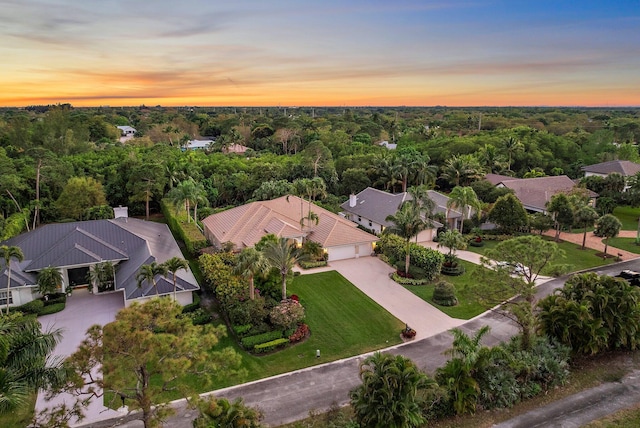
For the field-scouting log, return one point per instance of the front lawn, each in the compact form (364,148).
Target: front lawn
(576,257)
(467,306)
(343,320)
(627,244)
(628,217)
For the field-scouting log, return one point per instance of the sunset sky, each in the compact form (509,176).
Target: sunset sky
(328,52)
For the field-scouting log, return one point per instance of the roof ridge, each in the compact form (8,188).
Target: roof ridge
(102,241)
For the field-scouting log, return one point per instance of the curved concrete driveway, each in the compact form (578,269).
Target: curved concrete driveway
(371,276)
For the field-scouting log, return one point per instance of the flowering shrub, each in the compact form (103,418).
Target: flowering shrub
(287,314)
(299,334)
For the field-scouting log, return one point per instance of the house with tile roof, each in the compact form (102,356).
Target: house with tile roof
(371,207)
(603,169)
(245,225)
(534,193)
(74,247)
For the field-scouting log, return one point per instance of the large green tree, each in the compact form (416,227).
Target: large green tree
(561,211)
(496,283)
(80,194)
(607,226)
(509,214)
(585,216)
(7,253)
(147,352)
(390,393)
(251,262)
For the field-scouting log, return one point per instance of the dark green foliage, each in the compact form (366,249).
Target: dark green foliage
(220,412)
(51,309)
(593,314)
(241,330)
(509,214)
(391,393)
(444,293)
(191,307)
(55,298)
(187,232)
(32,307)
(310,265)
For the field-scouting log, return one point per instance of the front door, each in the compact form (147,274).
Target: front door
(78,276)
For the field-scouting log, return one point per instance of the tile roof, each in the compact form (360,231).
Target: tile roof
(624,167)
(497,178)
(245,225)
(128,242)
(534,193)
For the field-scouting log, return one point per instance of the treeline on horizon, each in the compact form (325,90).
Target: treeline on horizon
(54,157)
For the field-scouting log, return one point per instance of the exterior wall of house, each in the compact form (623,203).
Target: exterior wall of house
(589,174)
(426,235)
(365,222)
(22,295)
(183,297)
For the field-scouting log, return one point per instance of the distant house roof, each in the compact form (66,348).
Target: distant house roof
(127,129)
(534,193)
(236,148)
(497,178)
(198,144)
(377,205)
(624,167)
(245,225)
(128,242)
(388,145)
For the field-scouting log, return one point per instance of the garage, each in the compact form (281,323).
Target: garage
(341,253)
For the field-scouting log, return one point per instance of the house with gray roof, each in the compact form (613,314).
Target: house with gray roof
(74,247)
(603,169)
(371,207)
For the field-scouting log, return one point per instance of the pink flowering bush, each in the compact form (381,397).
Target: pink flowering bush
(287,314)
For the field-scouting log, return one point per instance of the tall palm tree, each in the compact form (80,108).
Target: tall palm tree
(49,280)
(199,197)
(407,223)
(387,175)
(183,195)
(25,365)
(173,265)
(512,146)
(283,256)
(461,170)
(464,199)
(491,159)
(422,201)
(149,272)
(7,253)
(251,262)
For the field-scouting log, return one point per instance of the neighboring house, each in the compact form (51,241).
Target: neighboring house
(74,247)
(371,207)
(534,193)
(388,145)
(245,225)
(197,145)
(622,167)
(236,148)
(127,133)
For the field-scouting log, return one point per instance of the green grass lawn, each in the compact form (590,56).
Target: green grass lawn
(576,257)
(343,321)
(467,306)
(628,244)
(628,216)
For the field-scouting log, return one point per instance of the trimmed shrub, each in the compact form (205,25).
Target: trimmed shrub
(187,232)
(200,317)
(408,281)
(32,307)
(444,294)
(455,270)
(54,298)
(427,259)
(270,346)
(242,330)
(192,307)
(310,265)
(52,309)
(251,341)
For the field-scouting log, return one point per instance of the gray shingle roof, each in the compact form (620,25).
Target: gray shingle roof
(534,193)
(624,167)
(128,242)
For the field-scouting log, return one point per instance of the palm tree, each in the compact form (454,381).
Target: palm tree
(491,159)
(585,216)
(149,272)
(512,146)
(102,275)
(184,194)
(283,256)
(386,173)
(464,199)
(407,223)
(49,280)
(453,240)
(251,262)
(461,170)
(199,197)
(7,253)
(390,393)
(25,365)
(173,265)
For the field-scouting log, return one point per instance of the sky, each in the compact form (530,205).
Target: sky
(320,53)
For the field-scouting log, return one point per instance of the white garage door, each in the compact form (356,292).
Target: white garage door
(341,253)
(365,250)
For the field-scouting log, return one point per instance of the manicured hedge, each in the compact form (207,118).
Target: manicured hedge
(408,281)
(310,265)
(52,309)
(188,232)
(32,307)
(270,346)
(241,330)
(251,341)
(192,307)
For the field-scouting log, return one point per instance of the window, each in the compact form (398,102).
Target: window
(359,218)
(3,298)
(370,224)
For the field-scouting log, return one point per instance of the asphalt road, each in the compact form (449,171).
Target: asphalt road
(291,396)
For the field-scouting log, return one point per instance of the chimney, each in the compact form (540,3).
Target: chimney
(120,212)
(352,200)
